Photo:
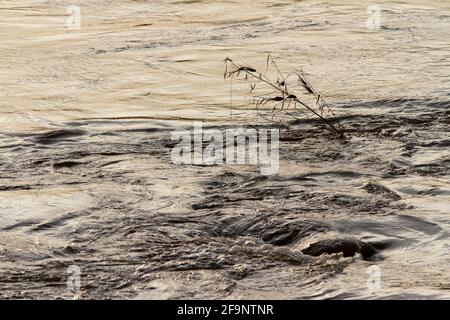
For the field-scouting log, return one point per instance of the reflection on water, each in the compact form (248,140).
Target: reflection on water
(87,179)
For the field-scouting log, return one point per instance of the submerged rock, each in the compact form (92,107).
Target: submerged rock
(349,247)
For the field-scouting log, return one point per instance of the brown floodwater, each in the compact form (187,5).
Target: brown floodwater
(86,177)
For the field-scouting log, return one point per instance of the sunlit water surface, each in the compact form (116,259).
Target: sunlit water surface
(86,177)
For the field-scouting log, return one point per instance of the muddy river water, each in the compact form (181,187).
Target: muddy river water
(89,99)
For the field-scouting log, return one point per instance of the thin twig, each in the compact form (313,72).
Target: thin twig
(280,96)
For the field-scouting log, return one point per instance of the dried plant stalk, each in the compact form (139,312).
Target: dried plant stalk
(283,94)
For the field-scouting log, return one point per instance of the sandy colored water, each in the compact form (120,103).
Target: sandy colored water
(86,177)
